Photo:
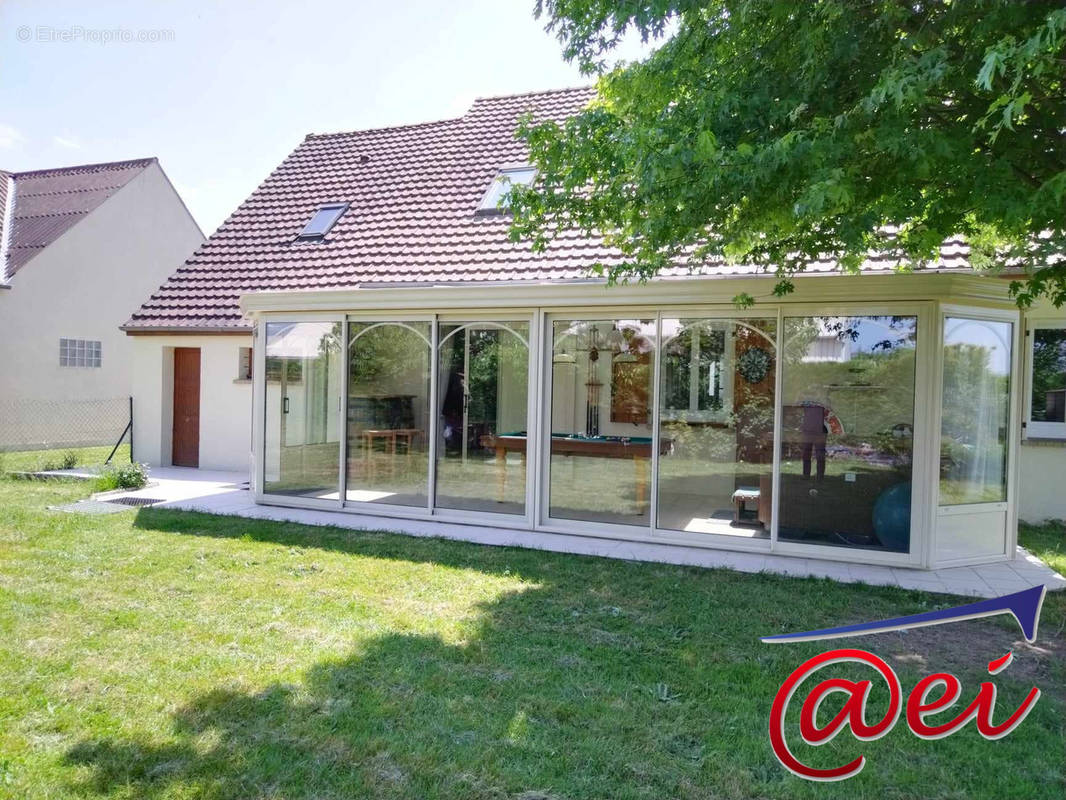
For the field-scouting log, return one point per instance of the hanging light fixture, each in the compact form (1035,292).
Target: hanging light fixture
(616,341)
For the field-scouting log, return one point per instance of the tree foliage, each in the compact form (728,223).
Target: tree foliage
(774,133)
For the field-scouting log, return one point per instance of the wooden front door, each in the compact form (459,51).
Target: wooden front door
(186,438)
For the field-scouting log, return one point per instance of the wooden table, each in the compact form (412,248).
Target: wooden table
(389,437)
(636,448)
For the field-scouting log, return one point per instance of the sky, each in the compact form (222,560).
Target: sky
(222,91)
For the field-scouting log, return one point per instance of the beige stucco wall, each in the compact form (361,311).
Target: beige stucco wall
(225,400)
(1042,481)
(85,285)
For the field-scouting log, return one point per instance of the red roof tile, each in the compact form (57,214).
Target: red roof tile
(49,202)
(413,191)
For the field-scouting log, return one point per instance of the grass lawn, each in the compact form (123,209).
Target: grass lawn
(156,654)
(34,460)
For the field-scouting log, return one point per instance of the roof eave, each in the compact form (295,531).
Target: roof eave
(671,291)
(186,330)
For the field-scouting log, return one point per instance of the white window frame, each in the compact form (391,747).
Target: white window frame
(1038,429)
(640,531)
(499,319)
(259,400)
(540,311)
(306,234)
(245,368)
(725,366)
(922,471)
(503,204)
(405,320)
(1009,506)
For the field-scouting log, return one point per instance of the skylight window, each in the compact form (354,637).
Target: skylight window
(322,221)
(497,198)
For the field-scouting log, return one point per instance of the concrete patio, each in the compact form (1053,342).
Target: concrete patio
(227,493)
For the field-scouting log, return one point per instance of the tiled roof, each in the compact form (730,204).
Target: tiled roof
(5,183)
(48,202)
(413,191)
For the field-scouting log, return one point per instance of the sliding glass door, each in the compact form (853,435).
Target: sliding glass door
(303,387)
(601,444)
(847,431)
(482,391)
(389,373)
(716,426)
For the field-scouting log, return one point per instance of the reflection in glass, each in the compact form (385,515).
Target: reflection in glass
(388,412)
(482,386)
(303,391)
(1049,375)
(975,414)
(601,445)
(847,425)
(716,420)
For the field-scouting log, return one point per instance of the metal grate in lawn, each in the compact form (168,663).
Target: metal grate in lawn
(135,501)
(91,507)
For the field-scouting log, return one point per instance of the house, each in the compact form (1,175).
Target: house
(364,337)
(79,246)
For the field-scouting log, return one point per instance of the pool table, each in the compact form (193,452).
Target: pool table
(637,448)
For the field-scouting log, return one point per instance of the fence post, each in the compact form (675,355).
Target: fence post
(131,428)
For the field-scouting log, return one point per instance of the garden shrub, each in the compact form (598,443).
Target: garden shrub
(128,476)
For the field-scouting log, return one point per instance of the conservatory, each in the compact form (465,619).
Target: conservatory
(867,419)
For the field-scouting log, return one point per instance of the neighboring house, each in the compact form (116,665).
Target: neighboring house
(409,361)
(79,246)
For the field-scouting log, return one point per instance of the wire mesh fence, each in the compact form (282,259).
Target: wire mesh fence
(54,424)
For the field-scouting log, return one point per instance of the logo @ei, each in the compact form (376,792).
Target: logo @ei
(918,707)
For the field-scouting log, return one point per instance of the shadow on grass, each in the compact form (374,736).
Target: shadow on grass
(376,543)
(600,679)
(562,690)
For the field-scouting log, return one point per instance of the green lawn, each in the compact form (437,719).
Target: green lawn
(155,654)
(34,460)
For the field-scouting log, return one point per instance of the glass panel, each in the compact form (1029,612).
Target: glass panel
(496,198)
(482,388)
(388,412)
(975,421)
(847,425)
(716,425)
(601,443)
(323,220)
(303,392)
(1049,375)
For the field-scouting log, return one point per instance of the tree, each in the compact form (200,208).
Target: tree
(773,132)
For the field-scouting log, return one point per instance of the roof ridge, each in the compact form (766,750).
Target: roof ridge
(446,120)
(409,126)
(535,92)
(60,192)
(130,162)
(50,214)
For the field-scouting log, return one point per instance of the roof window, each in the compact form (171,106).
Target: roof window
(324,219)
(497,198)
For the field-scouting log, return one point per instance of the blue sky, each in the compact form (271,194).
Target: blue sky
(236,85)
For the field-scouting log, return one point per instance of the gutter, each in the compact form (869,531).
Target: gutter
(179,330)
(691,291)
